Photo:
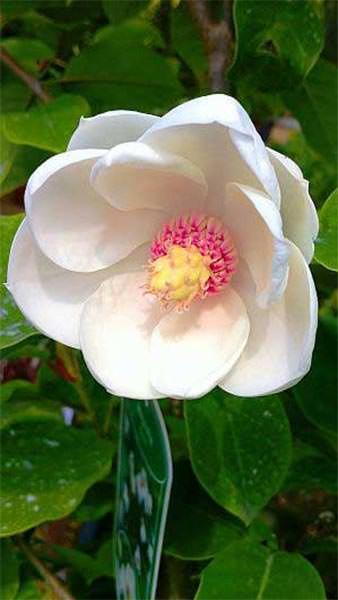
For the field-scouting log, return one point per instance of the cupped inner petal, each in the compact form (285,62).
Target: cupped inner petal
(50,297)
(281,340)
(217,135)
(193,350)
(116,325)
(256,229)
(299,215)
(73,225)
(134,175)
(110,128)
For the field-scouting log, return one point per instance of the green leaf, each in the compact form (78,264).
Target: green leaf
(314,472)
(326,545)
(14,327)
(10,388)
(327,242)
(15,94)
(47,126)
(119,71)
(47,468)
(321,174)
(97,502)
(240,449)
(8,227)
(28,53)
(7,156)
(317,392)
(277,42)
(121,10)
(188,43)
(35,24)
(197,528)
(12,9)
(25,160)
(247,570)
(34,589)
(31,411)
(9,577)
(315,106)
(89,568)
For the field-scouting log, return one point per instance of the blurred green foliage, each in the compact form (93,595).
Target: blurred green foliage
(251,494)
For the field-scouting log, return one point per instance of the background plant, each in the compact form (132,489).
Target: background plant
(253,506)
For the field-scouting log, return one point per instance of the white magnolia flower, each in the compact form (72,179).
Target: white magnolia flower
(225,227)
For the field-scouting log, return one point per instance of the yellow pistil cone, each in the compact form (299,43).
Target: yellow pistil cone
(179,276)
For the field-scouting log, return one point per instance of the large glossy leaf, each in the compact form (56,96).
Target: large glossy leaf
(277,42)
(47,126)
(47,468)
(315,106)
(327,242)
(247,570)
(317,392)
(240,449)
(14,327)
(9,577)
(197,528)
(120,72)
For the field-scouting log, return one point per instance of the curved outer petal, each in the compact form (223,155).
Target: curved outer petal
(192,351)
(110,128)
(133,175)
(115,331)
(73,225)
(298,211)
(52,298)
(216,134)
(256,228)
(279,349)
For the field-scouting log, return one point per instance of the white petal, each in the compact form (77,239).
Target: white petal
(217,135)
(133,175)
(50,297)
(256,228)
(298,211)
(279,349)
(192,351)
(115,331)
(72,224)
(110,128)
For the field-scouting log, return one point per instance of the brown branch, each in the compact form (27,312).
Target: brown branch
(28,79)
(60,591)
(218,41)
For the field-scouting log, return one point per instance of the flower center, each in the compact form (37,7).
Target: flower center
(192,257)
